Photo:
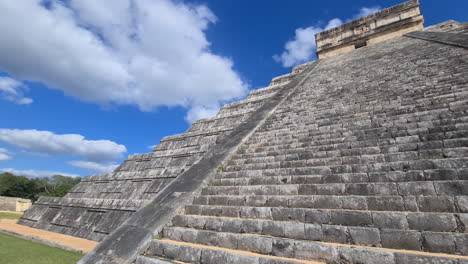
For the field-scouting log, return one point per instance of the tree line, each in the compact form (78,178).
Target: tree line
(23,187)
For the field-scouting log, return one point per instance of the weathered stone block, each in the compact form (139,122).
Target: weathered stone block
(312,232)
(262,245)
(364,255)
(436,204)
(438,242)
(252,226)
(400,239)
(283,248)
(315,251)
(365,236)
(402,258)
(461,243)
(432,222)
(390,220)
(332,233)
(317,216)
(272,228)
(294,230)
(351,218)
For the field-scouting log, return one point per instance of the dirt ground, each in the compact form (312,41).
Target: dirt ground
(64,240)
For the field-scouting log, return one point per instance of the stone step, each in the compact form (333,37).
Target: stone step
(350,114)
(416,221)
(394,104)
(155,260)
(349,156)
(336,136)
(411,188)
(441,204)
(359,119)
(344,142)
(344,149)
(303,157)
(305,133)
(291,248)
(208,254)
(432,106)
(379,167)
(233,179)
(453,243)
(416,108)
(260,164)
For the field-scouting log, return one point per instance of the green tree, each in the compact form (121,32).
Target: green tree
(17,186)
(20,186)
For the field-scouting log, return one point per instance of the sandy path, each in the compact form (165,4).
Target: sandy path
(67,242)
(10,212)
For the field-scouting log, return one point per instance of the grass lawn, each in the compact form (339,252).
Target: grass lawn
(15,250)
(5,215)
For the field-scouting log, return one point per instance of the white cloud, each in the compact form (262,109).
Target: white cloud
(94,166)
(146,53)
(199,112)
(35,173)
(63,145)
(299,50)
(302,48)
(333,23)
(365,11)
(4,154)
(152,147)
(12,90)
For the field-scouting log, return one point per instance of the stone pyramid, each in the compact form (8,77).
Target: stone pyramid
(358,157)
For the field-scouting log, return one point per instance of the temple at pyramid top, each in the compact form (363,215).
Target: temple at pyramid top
(385,24)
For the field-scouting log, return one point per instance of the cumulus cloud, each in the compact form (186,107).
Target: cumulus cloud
(4,154)
(200,112)
(63,145)
(36,173)
(152,147)
(94,166)
(365,11)
(145,53)
(13,90)
(302,48)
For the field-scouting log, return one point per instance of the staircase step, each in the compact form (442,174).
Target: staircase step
(206,254)
(355,235)
(155,260)
(411,188)
(369,124)
(365,155)
(292,249)
(436,222)
(349,149)
(359,141)
(310,132)
(359,137)
(460,164)
(441,204)
(233,179)
(402,163)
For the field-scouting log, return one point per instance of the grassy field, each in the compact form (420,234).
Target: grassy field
(15,250)
(5,215)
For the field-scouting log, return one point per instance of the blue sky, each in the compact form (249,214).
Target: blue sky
(85,83)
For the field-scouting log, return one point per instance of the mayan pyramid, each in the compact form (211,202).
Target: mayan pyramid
(358,157)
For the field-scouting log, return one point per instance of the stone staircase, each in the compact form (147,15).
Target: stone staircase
(367,162)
